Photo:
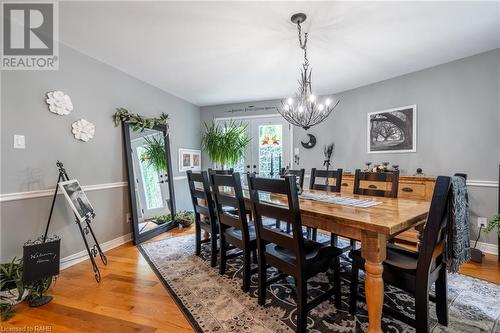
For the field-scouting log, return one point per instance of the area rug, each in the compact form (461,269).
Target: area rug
(215,303)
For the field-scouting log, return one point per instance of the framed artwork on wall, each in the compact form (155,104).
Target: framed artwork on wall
(392,130)
(189,159)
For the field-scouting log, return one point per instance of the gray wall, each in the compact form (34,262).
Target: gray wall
(96,89)
(458,125)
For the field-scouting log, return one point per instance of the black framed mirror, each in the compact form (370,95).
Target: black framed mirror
(150,181)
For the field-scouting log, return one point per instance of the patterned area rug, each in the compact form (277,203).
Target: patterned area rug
(215,303)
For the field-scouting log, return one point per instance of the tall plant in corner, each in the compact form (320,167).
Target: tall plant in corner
(225,144)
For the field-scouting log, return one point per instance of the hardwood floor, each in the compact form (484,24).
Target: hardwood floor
(130,297)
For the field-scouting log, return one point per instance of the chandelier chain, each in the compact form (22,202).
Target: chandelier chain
(303,46)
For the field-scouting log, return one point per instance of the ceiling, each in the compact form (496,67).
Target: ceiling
(223,52)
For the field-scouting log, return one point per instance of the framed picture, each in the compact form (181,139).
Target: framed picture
(393,130)
(77,199)
(189,159)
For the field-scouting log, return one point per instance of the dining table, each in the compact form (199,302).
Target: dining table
(373,226)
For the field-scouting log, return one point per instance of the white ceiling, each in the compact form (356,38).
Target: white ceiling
(222,52)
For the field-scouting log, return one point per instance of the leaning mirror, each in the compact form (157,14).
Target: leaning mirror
(150,181)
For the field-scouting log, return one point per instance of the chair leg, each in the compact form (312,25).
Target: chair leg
(197,233)
(301,286)
(213,259)
(336,283)
(246,270)
(422,307)
(262,277)
(308,232)
(278,224)
(442,297)
(353,300)
(334,241)
(254,256)
(288,228)
(314,234)
(223,257)
(353,244)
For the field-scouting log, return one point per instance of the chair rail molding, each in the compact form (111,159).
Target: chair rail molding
(49,192)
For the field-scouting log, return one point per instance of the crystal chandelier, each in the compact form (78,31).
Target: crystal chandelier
(305,109)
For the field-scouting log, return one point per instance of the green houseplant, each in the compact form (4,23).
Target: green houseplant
(155,154)
(13,290)
(494,223)
(225,143)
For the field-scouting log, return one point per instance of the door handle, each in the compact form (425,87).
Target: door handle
(407,189)
(372,186)
(254,166)
(248,166)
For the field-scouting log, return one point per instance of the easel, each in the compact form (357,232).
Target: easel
(96,249)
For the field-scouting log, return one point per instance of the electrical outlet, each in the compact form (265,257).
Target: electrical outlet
(129,218)
(482,221)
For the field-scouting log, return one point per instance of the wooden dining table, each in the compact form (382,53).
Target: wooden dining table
(372,226)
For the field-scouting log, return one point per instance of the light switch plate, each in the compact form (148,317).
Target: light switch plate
(19,141)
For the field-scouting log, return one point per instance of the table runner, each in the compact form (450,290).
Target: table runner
(345,201)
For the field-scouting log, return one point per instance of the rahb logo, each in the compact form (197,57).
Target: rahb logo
(30,35)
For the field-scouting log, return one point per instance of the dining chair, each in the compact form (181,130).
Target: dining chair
(221,171)
(234,227)
(291,254)
(379,184)
(203,204)
(413,271)
(317,184)
(300,175)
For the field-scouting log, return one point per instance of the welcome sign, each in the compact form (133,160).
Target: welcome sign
(41,260)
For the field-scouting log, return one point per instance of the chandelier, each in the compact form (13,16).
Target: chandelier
(305,109)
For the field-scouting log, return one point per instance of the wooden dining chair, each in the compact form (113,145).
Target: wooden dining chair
(234,227)
(203,205)
(320,184)
(300,175)
(413,271)
(291,254)
(379,184)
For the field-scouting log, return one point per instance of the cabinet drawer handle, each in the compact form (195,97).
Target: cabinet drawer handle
(372,186)
(407,189)
(345,184)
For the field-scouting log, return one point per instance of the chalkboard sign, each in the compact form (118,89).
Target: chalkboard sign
(41,260)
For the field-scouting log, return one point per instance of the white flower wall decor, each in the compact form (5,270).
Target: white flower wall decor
(59,102)
(83,130)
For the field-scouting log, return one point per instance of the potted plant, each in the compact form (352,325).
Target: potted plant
(154,153)
(13,290)
(185,218)
(225,144)
(494,223)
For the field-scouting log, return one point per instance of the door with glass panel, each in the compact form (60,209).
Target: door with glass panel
(269,149)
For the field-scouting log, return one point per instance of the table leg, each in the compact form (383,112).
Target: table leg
(373,247)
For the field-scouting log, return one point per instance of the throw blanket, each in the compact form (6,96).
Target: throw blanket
(458,240)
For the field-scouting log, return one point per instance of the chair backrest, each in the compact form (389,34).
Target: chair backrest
(287,211)
(199,189)
(433,242)
(231,196)
(220,172)
(300,174)
(314,183)
(379,184)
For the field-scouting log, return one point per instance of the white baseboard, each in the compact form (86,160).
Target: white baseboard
(83,255)
(486,247)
